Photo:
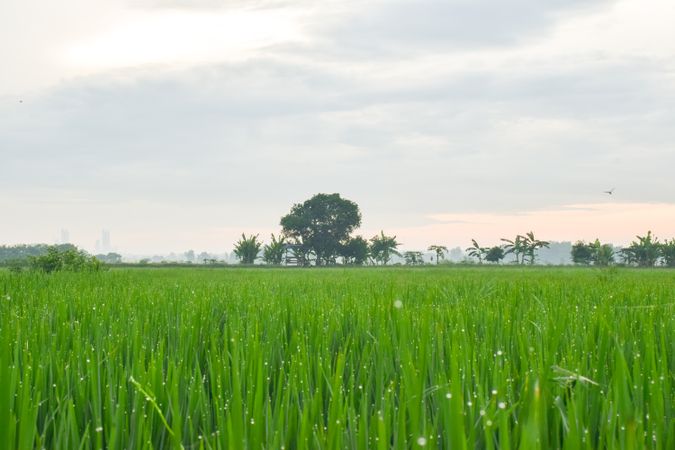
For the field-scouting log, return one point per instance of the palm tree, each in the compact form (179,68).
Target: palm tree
(645,252)
(517,247)
(274,252)
(440,250)
(413,258)
(247,249)
(477,251)
(668,253)
(603,254)
(382,247)
(533,244)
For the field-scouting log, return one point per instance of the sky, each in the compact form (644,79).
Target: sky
(179,125)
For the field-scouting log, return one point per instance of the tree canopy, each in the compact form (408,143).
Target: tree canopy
(322,226)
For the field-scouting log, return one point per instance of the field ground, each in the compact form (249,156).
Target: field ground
(457,358)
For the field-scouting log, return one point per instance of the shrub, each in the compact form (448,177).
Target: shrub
(71,260)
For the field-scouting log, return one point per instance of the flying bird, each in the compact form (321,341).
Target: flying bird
(610,192)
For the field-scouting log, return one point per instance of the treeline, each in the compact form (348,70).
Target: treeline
(318,232)
(356,250)
(24,252)
(49,258)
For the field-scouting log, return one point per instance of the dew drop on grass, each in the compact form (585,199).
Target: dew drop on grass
(448,395)
(421,441)
(502,405)
(398,304)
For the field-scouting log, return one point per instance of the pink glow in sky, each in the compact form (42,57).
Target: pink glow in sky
(617,223)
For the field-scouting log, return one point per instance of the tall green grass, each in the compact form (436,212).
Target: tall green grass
(331,359)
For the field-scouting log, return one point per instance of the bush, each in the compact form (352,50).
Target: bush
(16,265)
(71,260)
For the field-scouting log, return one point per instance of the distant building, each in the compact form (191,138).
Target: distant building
(64,237)
(103,244)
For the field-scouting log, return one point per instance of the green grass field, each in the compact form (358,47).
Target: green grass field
(457,358)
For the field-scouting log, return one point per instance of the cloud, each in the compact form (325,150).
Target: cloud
(196,135)
(214,4)
(449,112)
(401,26)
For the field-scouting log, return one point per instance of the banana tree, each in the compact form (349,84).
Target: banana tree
(533,244)
(516,247)
(440,251)
(476,251)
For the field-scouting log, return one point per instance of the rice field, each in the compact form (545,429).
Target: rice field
(448,358)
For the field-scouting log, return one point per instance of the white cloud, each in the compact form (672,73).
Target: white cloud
(180,37)
(224,105)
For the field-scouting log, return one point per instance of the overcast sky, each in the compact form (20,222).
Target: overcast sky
(179,124)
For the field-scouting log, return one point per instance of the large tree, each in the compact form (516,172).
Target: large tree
(322,225)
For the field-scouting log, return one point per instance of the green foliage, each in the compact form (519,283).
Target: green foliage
(24,252)
(322,225)
(338,359)
(355,251)
(668,252)
(247,249)
(70,260)
(383,247)
(110,258)
(603,254)
(476,251)
(594,253)
(273,253)
(516,247)
(413,258)
(532,244)
(16,265)
(644,252)
(524,247)
(440,251)
(495,254)
(582,253)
